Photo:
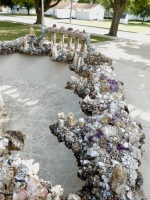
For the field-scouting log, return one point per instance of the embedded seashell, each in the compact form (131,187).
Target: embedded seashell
(118,179)
(117,124)
(1,102)
(103,80)
(82,62)
(26,46)
(32,31)
(75,60)
(71,120)
(61,123)
(91,76)
(73,197)
(54,52)
(103,142)
(81,122)
(105,120)
(61,115)
(133,177)
(105,89)
(57,191)
(130,195)
(79,61)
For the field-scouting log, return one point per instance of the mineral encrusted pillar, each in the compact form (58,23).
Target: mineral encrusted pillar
(53,38)
(83,46)
(69,39)
(76,42)
(61,40)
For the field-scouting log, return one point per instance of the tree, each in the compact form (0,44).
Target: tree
(47,5)
(25,3)
(8,3)
(139,7)
(118,7)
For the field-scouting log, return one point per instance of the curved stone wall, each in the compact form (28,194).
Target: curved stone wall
(107,143)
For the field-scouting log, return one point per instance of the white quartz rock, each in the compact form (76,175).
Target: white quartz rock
(94,154)
(85,162)
(54,52)
(81,122)
(61,122)
(130,195)
(1,102)
(73,197)
(101,164)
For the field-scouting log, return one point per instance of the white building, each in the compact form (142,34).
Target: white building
(82,11)
(133,17)
(62,10)
(86,11)
(24,11)
(124,19)
(3,9)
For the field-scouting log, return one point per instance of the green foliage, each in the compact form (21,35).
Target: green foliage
(26,3)
(7,3)
(105,3)
(140,7)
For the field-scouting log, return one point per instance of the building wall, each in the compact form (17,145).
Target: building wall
(63,13)
(3,9)
(24,11)
(50,11)
(96,13)
(133,17)
(82,14)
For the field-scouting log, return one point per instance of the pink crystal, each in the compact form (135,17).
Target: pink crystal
(35,189)
(23,194)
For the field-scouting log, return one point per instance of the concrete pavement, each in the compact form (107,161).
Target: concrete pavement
(33,90)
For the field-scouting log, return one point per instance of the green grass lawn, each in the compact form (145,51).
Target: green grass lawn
(11,31)
(132,26)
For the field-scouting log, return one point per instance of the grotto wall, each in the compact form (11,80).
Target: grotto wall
(107,143)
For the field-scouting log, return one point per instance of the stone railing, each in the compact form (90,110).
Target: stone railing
(107,143)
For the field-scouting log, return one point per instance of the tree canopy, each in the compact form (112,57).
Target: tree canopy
(140,7)
(25,3)
(7,3)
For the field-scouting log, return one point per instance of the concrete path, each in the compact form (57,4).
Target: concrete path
(33,92)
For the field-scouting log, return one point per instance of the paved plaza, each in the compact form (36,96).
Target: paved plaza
(33,91)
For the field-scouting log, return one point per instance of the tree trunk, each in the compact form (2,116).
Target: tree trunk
(143,19)
(118,7)
(115,23)
(47,5)
(39,16)
(28,9)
